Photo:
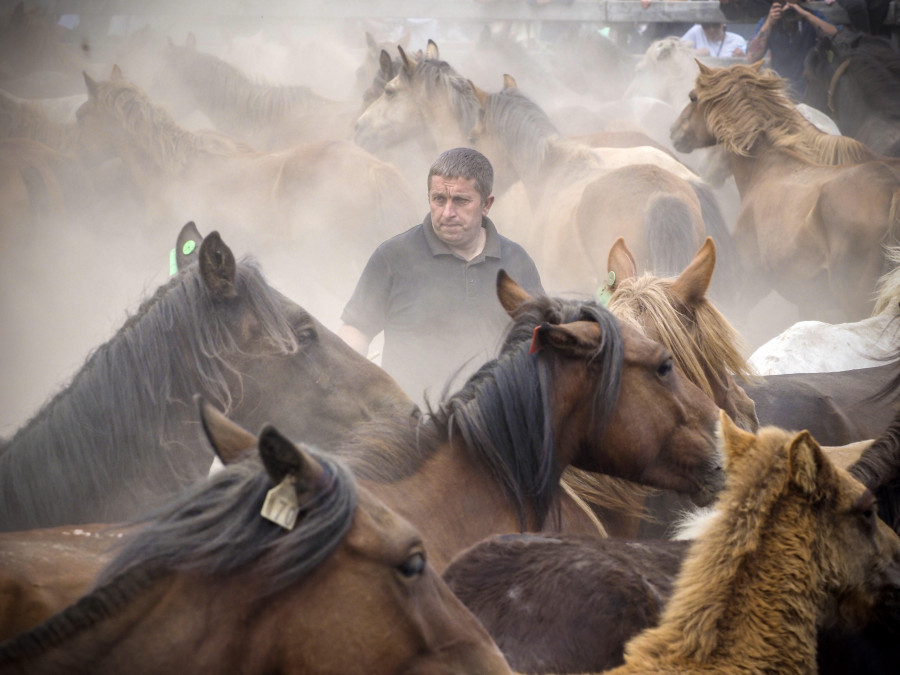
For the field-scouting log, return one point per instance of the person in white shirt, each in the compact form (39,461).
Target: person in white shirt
(711,39)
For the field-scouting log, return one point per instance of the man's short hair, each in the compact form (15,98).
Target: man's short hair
(465,163)
(712,24)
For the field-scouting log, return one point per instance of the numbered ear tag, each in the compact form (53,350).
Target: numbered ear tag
(281,505)
(604,293)
(173,263)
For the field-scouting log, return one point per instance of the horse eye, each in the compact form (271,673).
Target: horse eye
(413,566)
(306,335)
(665,367)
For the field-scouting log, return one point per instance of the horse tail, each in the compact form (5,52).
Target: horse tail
(727,278)
(671,242)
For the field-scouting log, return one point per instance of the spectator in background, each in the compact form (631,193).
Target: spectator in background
(788,32)
(711,39)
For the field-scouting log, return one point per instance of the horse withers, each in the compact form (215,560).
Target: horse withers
(313,574)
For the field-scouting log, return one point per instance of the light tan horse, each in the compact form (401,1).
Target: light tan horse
(317,210)
(584,197)
(794,541)
(813,232)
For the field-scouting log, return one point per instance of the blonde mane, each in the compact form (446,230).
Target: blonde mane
(153,129)
(748,111)
(887,291)
(702,343)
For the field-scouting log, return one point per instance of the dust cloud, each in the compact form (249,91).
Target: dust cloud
(77,259)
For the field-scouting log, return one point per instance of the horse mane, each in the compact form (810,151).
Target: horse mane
(223,87)
(502,414)
(178,343)
(704,343)
(745,107)
(24,119)
(531,137)
(437,77)
(214,528)
(154,129)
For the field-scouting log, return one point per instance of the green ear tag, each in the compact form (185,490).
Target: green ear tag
(189,247)
(173,263)
(604,293)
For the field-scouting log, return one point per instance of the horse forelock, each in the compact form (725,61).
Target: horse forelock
(437,78)
(116,417)
(887,290)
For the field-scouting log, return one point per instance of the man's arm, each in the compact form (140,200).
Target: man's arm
(760,42)
(355,338)
(817,22)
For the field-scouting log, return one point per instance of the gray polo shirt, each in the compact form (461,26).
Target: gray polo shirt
(438,312)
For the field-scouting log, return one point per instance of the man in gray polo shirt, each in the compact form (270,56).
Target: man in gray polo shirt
(432,289)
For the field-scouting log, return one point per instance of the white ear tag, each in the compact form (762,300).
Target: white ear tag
(281,505)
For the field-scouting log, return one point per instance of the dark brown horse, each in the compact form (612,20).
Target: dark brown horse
(571,386)
(855,78)
(597,594)
(313,576)
(123,435)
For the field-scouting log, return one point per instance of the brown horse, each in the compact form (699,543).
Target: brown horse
(584,198)
(317,211)
(812,232)
(266,116)
(794,544)
(123,435)
(572,386)
(290,558)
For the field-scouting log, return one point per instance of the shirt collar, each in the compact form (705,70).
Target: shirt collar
(491,244)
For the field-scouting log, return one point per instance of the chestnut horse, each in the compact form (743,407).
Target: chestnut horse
(794,543)
(289,556)
(812,232)
(571,386)
(123,435)
(317,211)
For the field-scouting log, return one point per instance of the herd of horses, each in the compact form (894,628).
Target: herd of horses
(225,485)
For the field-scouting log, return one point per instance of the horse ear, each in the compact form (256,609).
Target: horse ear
(431,51)
(511,295)
(758,66)
(704,69)
(191,41)
(386,65)
(281,459)
(577,339)
(509,82)
(116,73)
(187,245)
(230,441)
(808,467)
(409,64)
(621,261)
(735,440)
(691,285)
(217,267)
(91,84)
(480,94)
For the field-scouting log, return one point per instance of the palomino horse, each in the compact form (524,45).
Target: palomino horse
(289,557)
(588,195)
(830,256)
(816,347)
(123,434)
(855,78)
(268,117)
(570,387)
(794,543)
(318,210)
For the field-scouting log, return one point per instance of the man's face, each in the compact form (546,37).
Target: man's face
(715,32)
(456,210)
